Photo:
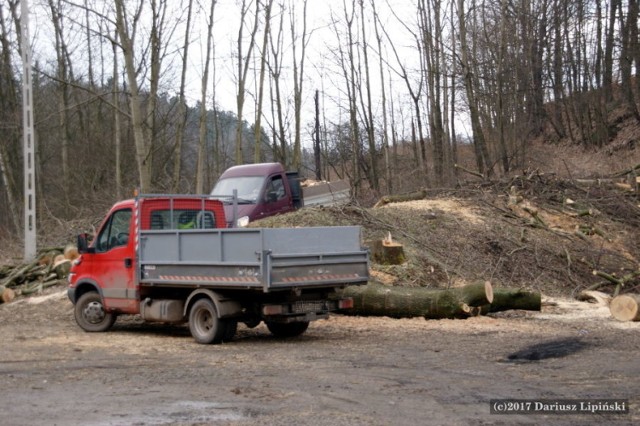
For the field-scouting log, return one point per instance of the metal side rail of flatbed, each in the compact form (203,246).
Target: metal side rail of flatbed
(265,259)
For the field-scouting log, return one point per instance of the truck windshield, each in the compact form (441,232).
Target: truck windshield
(248,188)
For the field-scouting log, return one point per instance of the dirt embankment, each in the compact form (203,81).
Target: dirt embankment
(534,231)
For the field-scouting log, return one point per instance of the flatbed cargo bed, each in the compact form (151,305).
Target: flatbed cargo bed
(266,259)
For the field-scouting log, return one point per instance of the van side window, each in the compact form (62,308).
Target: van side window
(115,232)
(275,189)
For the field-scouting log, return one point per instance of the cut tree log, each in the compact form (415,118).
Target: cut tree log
(6,294)
(625,307)
(400,198)
(505,299)
(62,268)
(375,299)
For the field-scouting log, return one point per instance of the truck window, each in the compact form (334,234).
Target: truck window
(115,233)
(275,189)
(183,219)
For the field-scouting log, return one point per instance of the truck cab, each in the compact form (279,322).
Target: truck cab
(262,190)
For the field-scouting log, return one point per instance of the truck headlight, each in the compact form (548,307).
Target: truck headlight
(242,222)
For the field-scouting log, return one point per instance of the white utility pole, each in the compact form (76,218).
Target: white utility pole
(28,140)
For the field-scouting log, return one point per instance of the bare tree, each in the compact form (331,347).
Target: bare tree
(63,92)
(9,113)
(202,152)
(368,106)
(298,77)
(117,134)
(483,161)
(383,100)
(243,69)
(275,70)
(182,105)
(263,61)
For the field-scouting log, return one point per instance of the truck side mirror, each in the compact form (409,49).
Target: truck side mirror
(83,244)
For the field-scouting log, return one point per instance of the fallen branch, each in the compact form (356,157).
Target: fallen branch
(401,198)
(471,172)
(618,282)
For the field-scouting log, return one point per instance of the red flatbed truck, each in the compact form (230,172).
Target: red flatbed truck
(172,259)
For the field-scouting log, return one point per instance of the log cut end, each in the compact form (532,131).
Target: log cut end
(488,289)
(6,294)
(625,307)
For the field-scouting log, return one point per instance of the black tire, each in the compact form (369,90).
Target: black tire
(91,315)
(204,324)
(289,329)
(231,326)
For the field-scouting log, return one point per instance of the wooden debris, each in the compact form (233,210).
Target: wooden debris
(613,279)
(400,198)
(6,294)
(50,268)
(625,307)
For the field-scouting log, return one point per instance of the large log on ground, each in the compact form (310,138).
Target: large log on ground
(625,307)
(505,299)
(376,299)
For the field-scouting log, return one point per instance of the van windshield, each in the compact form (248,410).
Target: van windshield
(248,188)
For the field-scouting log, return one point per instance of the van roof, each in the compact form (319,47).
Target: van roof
(259,169)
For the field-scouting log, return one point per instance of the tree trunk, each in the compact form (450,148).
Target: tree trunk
(505,299)
(376,299)
(625,307)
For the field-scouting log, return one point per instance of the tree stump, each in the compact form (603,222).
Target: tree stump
(625,307)
(387,252)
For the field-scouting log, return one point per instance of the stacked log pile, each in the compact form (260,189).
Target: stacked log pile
(50,268)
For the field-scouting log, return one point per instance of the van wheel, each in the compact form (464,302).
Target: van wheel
(91,315)
(204,324)
(289,329)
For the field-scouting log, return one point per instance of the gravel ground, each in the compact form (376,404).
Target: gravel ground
(343,371)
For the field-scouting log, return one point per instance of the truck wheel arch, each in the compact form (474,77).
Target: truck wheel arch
(82,288)
(226,308)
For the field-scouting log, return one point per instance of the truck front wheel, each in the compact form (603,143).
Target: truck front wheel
(289,329)
(91,315)
(206,327)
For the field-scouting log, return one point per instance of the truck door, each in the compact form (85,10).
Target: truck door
(276,199)
(114,262)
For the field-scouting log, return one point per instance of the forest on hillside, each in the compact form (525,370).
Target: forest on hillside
(386,97)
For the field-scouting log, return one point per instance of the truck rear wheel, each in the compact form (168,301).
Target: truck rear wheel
(91,315)
(289,329)
(206,327)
